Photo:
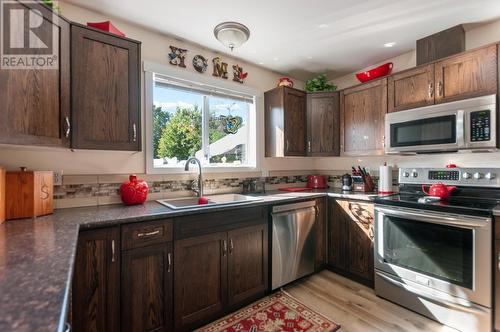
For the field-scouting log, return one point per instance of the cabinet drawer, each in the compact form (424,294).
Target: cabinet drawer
(146,233)
(212,222)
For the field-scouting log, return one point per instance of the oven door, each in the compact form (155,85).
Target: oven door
(425,131)
(449,253)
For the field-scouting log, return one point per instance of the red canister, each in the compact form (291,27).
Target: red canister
(134,191)
(316,181)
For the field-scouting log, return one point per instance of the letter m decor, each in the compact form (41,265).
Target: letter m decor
(220,68)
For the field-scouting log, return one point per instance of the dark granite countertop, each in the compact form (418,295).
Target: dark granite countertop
(36,255)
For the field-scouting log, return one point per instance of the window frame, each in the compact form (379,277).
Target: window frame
(256,123)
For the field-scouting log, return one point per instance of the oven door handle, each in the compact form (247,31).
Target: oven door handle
(436,218)
(465,305)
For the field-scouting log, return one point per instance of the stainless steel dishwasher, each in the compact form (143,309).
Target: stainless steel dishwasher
(293,242)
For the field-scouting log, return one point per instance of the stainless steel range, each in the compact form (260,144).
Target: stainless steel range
(435,257)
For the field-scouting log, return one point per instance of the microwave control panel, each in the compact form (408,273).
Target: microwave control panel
(480,126)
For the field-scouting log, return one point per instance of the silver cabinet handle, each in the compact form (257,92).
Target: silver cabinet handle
(499,261)
(67,327)
(383,141)
(431,89)
(68,127)
(134,128)
(287,145)
(309,146)
(169,262)
(113,253)
(231,246)
(224,247)
(440,89)
(145,234)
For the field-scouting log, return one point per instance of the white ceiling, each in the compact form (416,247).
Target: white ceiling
(301,38)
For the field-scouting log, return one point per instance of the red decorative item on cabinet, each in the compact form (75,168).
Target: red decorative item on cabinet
(374,73)
(106,26)
(134,191)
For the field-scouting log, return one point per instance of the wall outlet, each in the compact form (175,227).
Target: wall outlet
(58,178)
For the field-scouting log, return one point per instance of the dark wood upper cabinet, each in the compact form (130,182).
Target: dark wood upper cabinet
(323,124)
(200,279)
(285,116)
(96,282)
(105,85)
(362,111)
(247,263)
(321,233)
(467,75)
(350,248)
(411,88)
(35,103)
(147,288)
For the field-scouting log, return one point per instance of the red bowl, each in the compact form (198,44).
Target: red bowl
(374,73)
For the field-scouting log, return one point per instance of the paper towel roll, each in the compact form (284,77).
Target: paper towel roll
(385,179)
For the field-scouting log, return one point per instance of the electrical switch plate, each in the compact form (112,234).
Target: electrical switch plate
(58,178)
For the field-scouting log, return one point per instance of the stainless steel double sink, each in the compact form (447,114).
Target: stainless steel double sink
(213,200)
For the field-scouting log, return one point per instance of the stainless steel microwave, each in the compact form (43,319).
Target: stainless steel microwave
(469,124)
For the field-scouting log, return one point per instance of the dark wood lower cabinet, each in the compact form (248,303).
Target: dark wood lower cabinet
(146,288)
(200,279)
(321,233)
(96,282)
(496,269)
(217,273)
(350,247)
(247,264)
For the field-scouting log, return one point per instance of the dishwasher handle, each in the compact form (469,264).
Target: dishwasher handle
(292,207)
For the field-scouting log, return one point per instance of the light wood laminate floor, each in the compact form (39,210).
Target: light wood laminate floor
(356,307)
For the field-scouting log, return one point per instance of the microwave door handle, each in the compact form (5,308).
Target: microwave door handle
(460,130)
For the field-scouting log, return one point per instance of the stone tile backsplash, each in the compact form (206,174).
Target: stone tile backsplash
(81,190)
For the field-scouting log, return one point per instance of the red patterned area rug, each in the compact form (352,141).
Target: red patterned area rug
(275,313)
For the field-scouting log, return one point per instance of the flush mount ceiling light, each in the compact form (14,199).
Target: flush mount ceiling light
(231,34)
(391,44)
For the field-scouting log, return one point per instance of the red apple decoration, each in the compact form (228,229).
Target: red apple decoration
(202,200)
(134,191)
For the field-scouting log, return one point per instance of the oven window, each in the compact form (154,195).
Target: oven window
(438,130)
(437,251)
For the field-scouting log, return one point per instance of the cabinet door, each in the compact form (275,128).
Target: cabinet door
(295,122)
(321,234)
(247,263)
(96,281)
(496,268)
(360,238)
(323,126)
(362,111)
(337,236)
(411,88)
(200,279)
(147,288)
(467,75)
(35,103)
(105,87)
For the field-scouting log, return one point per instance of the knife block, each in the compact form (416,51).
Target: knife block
(2,195)
(30,194)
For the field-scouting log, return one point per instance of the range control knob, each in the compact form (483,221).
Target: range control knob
(490,176)
(406,174)
(414,174)
(466,175)
(478,175)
